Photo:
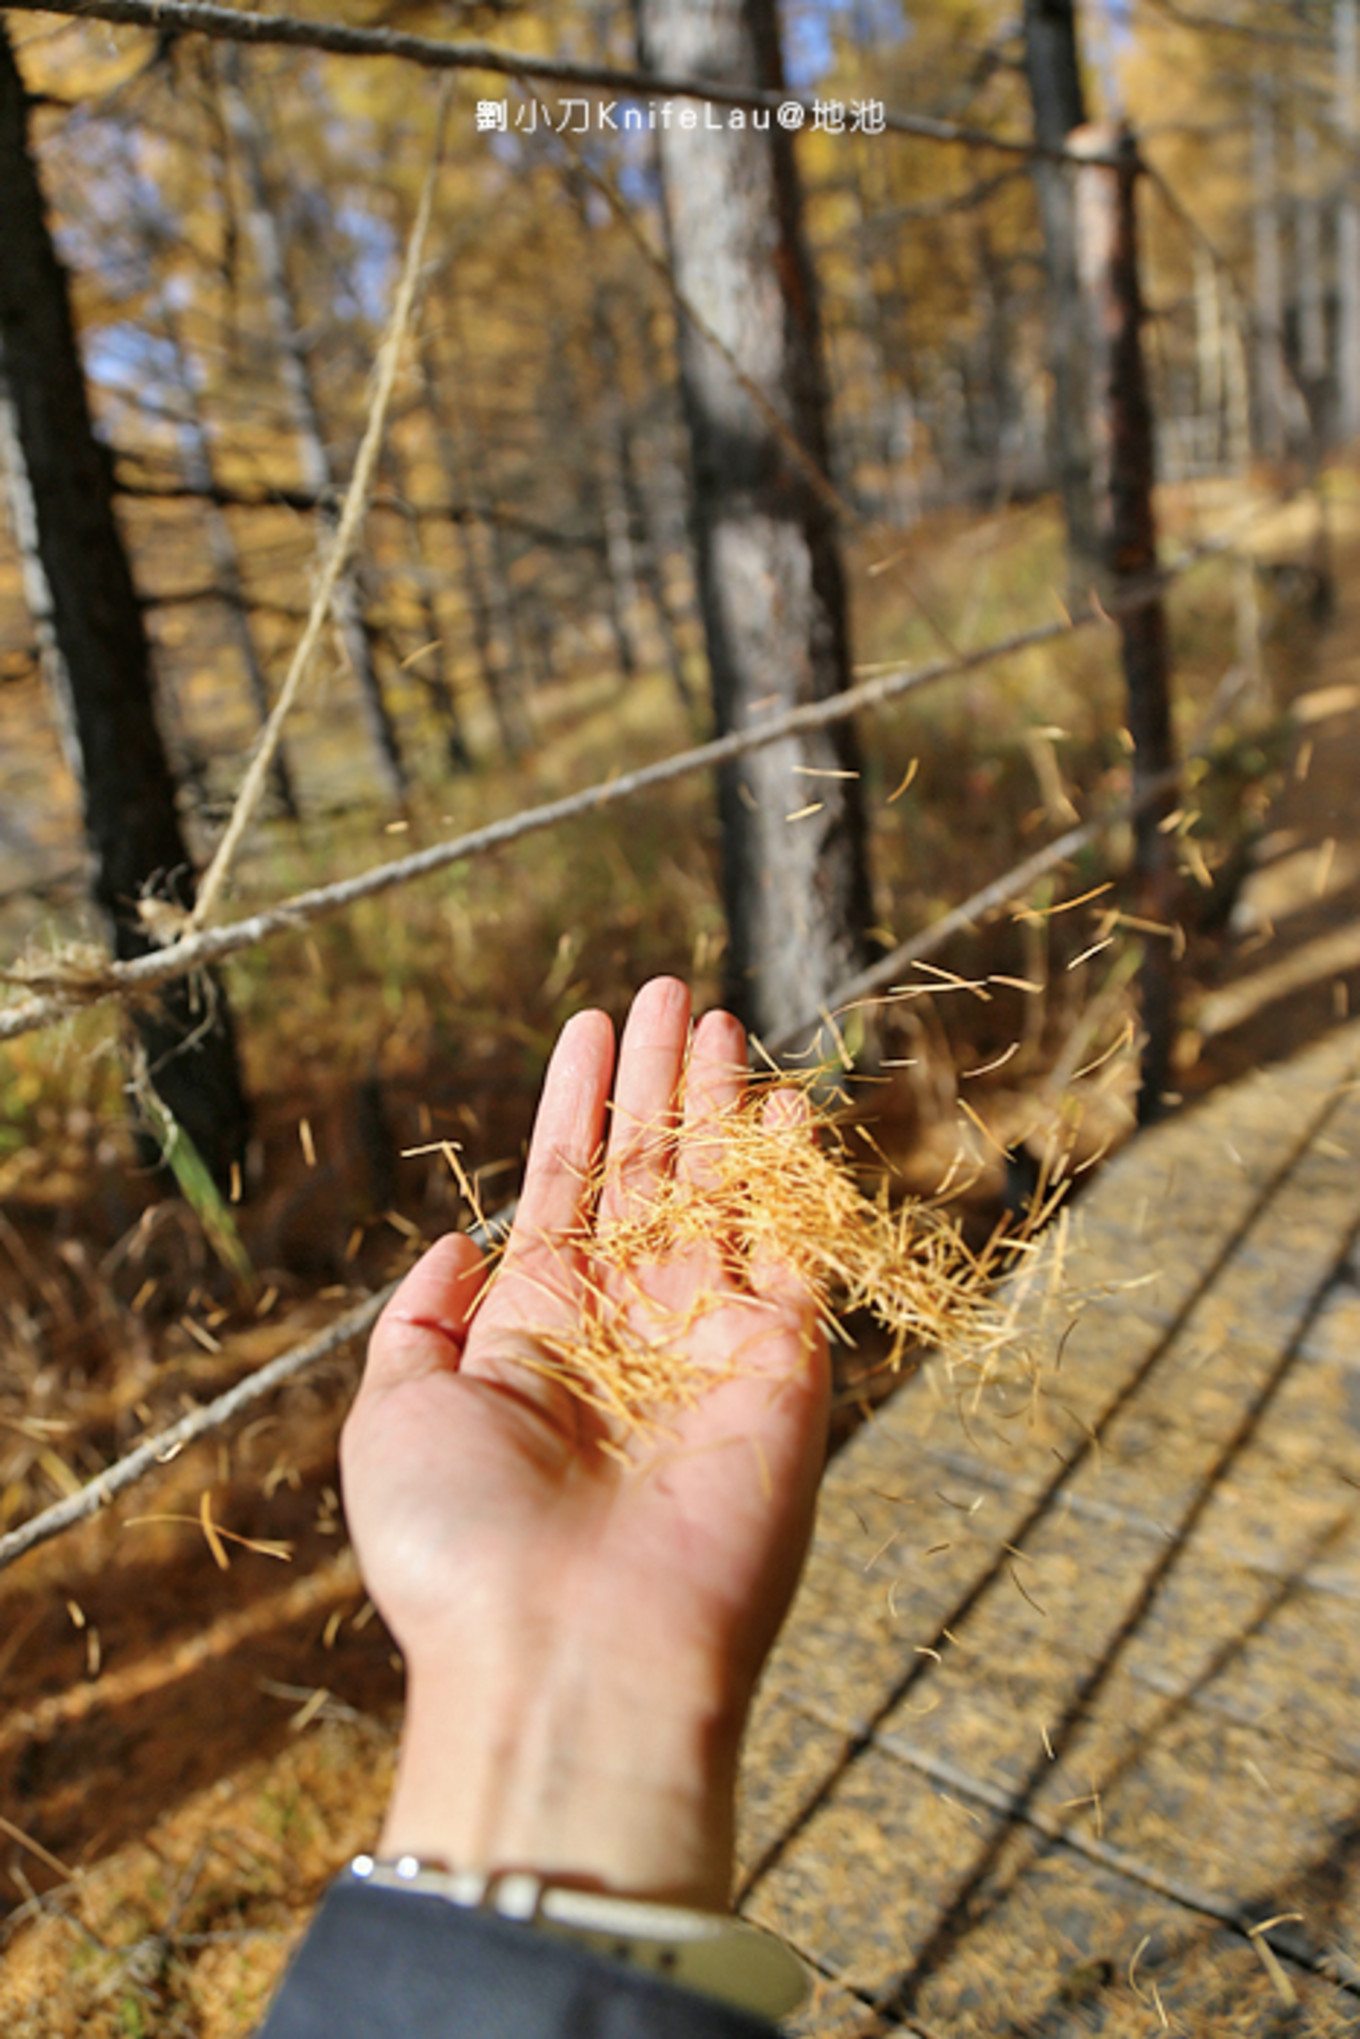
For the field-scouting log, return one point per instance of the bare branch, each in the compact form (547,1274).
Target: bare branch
(229,496)
(167,1444)
(230,24)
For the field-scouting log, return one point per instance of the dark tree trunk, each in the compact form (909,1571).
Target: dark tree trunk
(1347,226)
(1053,70)
(1309,282)
(770,582)
(651,569)
(429,662)
(77,572)
(1128,524)
(608,485)
(636,564)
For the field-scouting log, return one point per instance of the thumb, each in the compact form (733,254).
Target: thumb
(424,1328)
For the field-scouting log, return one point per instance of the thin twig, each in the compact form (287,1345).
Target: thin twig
(342,544)
(230,24)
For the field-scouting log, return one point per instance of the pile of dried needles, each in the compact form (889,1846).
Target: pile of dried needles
(769,1181)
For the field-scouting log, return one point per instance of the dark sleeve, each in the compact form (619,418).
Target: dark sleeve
(383,1964)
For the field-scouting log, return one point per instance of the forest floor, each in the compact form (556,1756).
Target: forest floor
(188,1752)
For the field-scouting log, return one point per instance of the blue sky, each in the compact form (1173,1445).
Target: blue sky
(810,30)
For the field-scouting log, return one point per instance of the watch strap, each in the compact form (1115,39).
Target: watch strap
(712,1952)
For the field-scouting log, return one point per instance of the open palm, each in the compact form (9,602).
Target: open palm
(508,1540)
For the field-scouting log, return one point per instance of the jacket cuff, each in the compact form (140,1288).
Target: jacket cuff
(382,1964)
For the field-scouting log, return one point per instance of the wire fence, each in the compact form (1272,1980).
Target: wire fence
(159,1450)
(154,1452)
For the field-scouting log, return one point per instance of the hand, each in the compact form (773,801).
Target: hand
(583,1631)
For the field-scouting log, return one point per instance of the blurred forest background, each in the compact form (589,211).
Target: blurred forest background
(531,611)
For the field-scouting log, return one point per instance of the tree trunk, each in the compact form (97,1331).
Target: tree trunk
(1237,391)
(1308,280)
(651,569)
(500,676)
(771,587)
(1347,226)
(295,374)
(87,612)
(620,551)
(660,510)
(1209,355)
(428,661)
(197,460)
(638,567)
(1124,473)
(993,351)
(1267,277)
(1053,70)
(499,588)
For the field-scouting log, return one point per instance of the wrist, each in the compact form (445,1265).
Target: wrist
(586,1772)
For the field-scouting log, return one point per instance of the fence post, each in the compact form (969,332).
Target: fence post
(1123,463)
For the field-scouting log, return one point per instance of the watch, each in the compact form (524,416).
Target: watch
(720,1956)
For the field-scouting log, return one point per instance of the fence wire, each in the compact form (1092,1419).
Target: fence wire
(230,24)
(143,1460)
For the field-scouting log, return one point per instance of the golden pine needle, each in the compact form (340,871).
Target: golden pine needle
(755,1186)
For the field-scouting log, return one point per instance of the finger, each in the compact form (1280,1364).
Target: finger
(535,1283)
(785,1110)
(424,1327)
(567,1132)
(787,1116)
(714,1083)
(651,1057)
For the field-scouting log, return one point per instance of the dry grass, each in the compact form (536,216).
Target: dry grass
(187,1930)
